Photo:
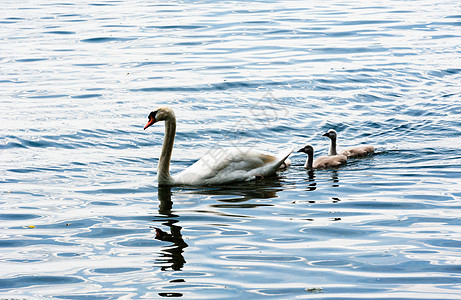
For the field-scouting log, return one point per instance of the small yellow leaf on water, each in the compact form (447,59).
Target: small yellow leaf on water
(31,226)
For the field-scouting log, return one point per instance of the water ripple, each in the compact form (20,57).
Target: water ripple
(82,213)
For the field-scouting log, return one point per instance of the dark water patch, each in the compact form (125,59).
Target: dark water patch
(12,81)
(86,96)
(69,15)
(68,254)
(26,261)
(445,36)
(58,4)
(438,24)
(61,32)
(188,43)
(48,96)
(441,73)
(444,243)
(30,59)
(18,216)
(106,40)
(28,281)
(11,145)
(89,64)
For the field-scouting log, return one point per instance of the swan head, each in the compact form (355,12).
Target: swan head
(331,134)
(308,149)
(160,114)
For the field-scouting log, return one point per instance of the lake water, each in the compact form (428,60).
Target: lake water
(82,216)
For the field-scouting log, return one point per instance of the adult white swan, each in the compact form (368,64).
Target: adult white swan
(218,166)
(352,152)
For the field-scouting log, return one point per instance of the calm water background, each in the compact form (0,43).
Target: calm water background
(81,214)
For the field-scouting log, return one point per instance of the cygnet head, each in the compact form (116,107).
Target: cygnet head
(160,114)
(331,134)
(308,149)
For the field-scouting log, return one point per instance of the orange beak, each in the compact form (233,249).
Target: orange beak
(150,123)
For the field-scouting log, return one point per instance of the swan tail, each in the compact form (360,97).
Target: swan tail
(282,158)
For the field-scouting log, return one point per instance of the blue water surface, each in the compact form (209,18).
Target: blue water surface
(81,212)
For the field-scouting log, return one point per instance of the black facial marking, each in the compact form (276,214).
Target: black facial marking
(152,115)
(306,149)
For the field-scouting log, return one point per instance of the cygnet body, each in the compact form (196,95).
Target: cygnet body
(323,162)
(353,152)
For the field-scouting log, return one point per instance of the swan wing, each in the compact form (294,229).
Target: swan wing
(226,165)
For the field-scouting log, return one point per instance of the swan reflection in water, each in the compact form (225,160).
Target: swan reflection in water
(334,178)
(312,184)
(171,255)
(237,196)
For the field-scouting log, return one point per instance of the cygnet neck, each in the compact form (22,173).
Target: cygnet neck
(310,160)
(332,150)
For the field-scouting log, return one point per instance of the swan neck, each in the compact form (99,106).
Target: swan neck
(163,171)
(332,150)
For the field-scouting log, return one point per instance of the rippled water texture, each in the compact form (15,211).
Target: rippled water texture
(82,217)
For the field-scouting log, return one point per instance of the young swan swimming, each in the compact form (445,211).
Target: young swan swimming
(324,162)
(358,151)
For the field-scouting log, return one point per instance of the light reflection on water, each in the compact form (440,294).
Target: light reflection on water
(81,213)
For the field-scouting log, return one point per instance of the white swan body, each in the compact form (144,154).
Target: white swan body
(358,151)
(323,162)
(218,166)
